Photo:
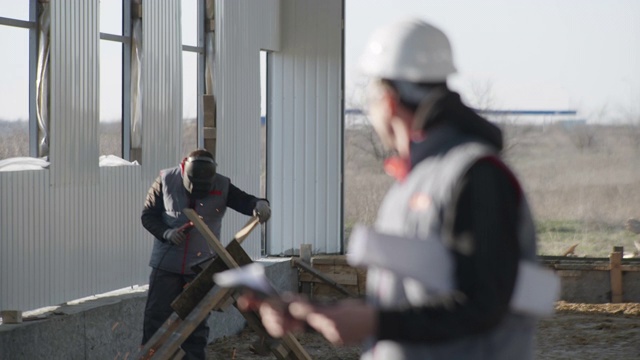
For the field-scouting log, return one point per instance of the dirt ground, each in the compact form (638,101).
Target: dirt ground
(576,331)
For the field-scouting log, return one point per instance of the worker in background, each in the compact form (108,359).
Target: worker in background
(452,186)
(193,184)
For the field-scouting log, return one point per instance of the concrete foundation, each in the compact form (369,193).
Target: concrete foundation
(111,327)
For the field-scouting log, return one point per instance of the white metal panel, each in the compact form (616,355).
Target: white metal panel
(161,86)
(74,92)
(243,28)
(74,230)
(62,243)
(305,130)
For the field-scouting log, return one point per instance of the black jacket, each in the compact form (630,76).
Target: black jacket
(486,208)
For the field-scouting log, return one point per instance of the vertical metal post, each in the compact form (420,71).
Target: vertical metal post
(202,15)
(33,73)
(126,79)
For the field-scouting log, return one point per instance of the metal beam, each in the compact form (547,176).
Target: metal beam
(18,23)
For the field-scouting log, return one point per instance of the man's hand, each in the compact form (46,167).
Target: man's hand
(262,211)
(176,236)
(348,322)
(274,313)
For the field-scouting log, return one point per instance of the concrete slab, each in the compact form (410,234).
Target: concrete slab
(111,327)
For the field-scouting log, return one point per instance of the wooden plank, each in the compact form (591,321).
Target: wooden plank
(209,110)
(11,316)
(209,123)
(323,277)
(616,275)
(342,279)
(297,351)
(329,260)
(209,133)
(179,355)
(159,338)
(199,287)
(211,239)
(305,256)
(214,299)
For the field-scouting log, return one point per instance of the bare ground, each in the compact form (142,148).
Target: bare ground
(576,331)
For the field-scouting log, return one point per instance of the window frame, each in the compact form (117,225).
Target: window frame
(199,49)
(32,26)
(125,40)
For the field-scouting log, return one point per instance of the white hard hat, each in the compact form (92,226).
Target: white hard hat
(409,50)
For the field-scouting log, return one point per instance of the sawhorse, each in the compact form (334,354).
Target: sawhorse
(202,296)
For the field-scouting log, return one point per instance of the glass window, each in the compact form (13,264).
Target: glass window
(190,22)
(111,17)
(110,98)
(189,101)
(14,87)
(15,9)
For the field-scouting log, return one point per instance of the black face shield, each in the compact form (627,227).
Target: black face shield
(198,175)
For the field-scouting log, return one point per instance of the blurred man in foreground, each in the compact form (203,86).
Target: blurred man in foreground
(453,196)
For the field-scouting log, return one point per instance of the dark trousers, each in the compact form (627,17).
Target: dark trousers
(164,287)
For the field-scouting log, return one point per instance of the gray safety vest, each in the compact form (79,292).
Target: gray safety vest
(178,259)
(420,208)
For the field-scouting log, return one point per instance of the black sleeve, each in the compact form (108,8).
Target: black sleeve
(486,210)
(240,201)
(153,210)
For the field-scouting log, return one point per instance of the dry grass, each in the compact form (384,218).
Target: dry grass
(14,138)
(582,182)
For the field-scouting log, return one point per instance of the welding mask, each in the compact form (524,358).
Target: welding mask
(198,173)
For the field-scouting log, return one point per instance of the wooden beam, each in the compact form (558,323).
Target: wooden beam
(342,279)
(205,306)
(215,298)
(211,239)
(198,288)
(305,257)
(616,274)
(323,277)
(159,338)
(209,123)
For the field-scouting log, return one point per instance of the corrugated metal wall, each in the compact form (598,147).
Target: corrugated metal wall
(304,173)
(161,85)
(74,92)
(243,28)
(305,129)
(74,230)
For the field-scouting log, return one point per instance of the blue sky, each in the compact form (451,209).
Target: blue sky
(564,54)
(543,54)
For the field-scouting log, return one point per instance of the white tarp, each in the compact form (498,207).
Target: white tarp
(112,160)
(42,80)
(23,163)
(209,48)
(136,83)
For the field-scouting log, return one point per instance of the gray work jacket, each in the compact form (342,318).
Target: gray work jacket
(418,208)
(178,259)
